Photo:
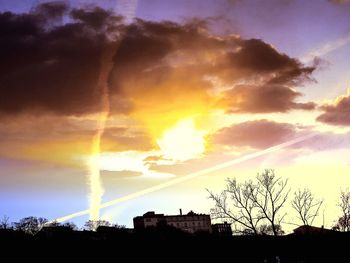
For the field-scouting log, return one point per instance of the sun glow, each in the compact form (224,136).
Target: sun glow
(182,142)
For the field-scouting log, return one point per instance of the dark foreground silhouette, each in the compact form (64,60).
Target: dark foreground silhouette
(168,244)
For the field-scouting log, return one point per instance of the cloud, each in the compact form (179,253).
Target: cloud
(337,113)
(51,66)
(125,138)
(256,55)
(261,134)
(250,137)
(339,1)
(258,134)
(162,72)
(52,57)
(64,140)
(50,10)
(264,99)
(183,70)
(129,161)
(96,17)
(268,81)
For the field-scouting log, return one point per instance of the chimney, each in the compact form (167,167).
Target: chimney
(180,212)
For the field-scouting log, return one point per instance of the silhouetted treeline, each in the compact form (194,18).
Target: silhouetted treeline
(257,218)
(152,242)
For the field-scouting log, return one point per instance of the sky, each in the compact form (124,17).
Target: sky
(103,99)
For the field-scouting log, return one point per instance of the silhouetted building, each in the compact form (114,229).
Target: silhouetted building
(222,229)
(306,230)
(148,219)
(190,223)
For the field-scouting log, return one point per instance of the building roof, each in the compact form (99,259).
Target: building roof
(152,214)
(312,230)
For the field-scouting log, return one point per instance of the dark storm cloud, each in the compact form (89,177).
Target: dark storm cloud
(51,10)
(271,77)
(49,66)
(337,113)
(256,55)
(54,66)
(97,18)
(264,99)
(253,57)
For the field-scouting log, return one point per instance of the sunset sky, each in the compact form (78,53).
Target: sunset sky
(172,87)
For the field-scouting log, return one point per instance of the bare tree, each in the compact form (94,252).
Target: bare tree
(5,222)
(236,205)
(343,223)
(92,225)
(270,196)
(307,207)
(30,225)
(250,205)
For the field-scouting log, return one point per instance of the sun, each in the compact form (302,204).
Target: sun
(182,142)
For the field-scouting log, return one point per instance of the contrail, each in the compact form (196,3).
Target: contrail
(96,189)
(191,176)
(326,48)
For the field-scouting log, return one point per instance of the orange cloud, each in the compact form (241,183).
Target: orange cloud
(62,140)
(163,72)
(337,113)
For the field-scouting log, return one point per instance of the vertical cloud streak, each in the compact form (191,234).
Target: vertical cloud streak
(96,188)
